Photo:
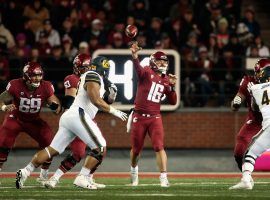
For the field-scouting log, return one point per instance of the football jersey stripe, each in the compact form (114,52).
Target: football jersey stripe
(92,76)
(88,128)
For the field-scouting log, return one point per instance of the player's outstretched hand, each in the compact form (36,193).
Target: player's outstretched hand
(8,108)
(118,113)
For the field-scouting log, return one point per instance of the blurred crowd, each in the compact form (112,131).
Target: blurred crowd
(212,37)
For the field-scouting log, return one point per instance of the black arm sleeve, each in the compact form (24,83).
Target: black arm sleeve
(67,101)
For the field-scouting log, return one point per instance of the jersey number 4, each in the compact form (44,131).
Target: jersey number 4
(155,93)
(265,98)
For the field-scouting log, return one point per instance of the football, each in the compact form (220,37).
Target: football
(131,31)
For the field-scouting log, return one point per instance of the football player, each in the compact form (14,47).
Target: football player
(260,143)
(22,101)
(153,83)
(78,121)
(77,146)
(253,121)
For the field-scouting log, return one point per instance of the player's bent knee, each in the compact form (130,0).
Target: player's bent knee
(158,148)
(98,153)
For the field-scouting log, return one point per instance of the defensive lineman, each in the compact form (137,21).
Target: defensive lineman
(261,141)
(78,121)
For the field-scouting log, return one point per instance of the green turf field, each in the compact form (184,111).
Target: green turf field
(181,188)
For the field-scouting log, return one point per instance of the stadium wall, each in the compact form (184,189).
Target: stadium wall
(183,129)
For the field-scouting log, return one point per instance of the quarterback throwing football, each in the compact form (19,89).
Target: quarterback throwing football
(153,83)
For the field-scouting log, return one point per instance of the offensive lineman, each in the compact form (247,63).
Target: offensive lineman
(261,142)
(22,101)
(78,121)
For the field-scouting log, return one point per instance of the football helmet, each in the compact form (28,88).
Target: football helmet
(264,75)
(33,74)
(81,63)
(262,63)
(155,63)
(101,65)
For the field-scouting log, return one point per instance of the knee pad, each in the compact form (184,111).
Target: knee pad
(69,162)
(4,151)
(98,153)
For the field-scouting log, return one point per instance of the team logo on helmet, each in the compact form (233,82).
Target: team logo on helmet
(159,62)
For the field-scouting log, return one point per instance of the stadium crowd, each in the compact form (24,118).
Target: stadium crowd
(212,37)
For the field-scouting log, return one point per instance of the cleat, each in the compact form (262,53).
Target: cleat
(51,183)
(84,182)
(21,176)
(243,185)
(134,178)
(41,180)
(98,185)
(164,182)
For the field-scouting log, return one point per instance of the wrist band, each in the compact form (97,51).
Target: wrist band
(3,108)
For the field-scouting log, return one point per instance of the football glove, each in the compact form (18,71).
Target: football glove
(118,113)
(113,92)
(236,103)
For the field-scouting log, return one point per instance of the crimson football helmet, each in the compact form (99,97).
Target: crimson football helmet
(262,63)
(155,63)
(81,63)
(30,72)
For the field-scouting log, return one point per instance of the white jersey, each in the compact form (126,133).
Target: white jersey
(82,100)
(261,94)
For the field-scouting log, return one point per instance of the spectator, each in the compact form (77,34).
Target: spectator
(44,46)
(118,41)
(6,38)
(213,50)
(69,51)
(167,42)
(235,46)
(22,45)
(34,55)
(86,15)
(243,34)
(253,51)
(204,66)
(97,30)
(142,40)
(83,48)
(155,31)
(177,9)
(94,44)
(222,33)
(192,45)
(140,14)
(68,30)
(250,21)
(4,72)
(60,12)
(263,50)
(30,36)
(37,14)
(52,34)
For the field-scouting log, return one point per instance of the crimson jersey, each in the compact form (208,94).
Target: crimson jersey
(150,90)
(243,89)
(28,103)
(71,81)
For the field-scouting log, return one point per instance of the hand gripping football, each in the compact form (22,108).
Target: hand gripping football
(131,31)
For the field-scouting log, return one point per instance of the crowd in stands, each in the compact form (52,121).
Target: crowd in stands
(211,36)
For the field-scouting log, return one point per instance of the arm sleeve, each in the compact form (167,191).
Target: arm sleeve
(243,86)
(139,69)
(50,89)
(172,96)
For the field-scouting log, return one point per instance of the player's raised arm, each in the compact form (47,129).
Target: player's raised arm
(136,62)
